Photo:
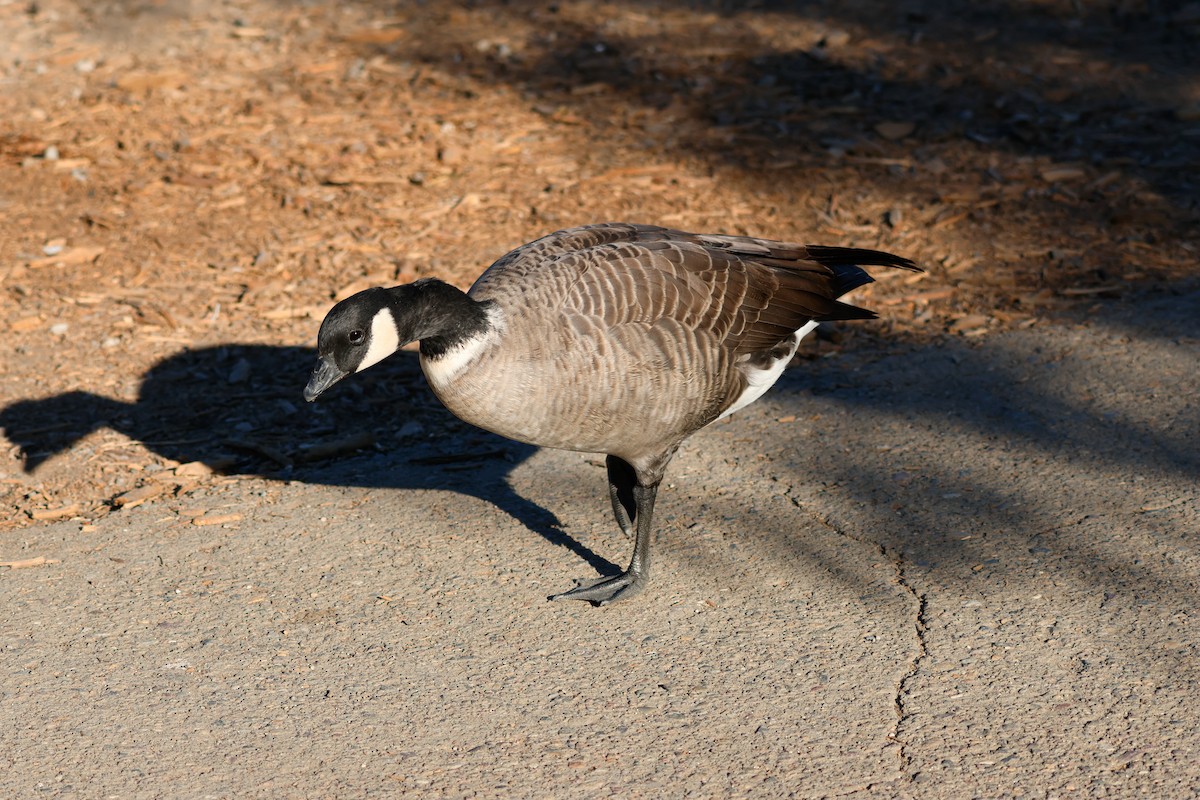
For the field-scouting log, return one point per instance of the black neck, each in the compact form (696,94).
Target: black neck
(441,316)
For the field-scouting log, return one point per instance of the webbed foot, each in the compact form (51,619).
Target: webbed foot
(608,590)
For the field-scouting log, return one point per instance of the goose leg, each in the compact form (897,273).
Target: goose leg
(621,481)
(632,503)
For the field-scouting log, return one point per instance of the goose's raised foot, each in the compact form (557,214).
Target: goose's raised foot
(609,590)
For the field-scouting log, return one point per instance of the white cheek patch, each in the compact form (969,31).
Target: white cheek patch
(383,339)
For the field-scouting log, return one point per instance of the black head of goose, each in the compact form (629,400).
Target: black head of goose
(614,338)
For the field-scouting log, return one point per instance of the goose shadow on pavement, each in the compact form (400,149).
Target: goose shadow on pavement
(238,409)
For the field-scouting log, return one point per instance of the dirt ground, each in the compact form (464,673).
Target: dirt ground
(186,186)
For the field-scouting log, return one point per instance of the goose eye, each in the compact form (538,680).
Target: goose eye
(356,337)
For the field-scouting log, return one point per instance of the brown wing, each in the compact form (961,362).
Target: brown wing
(749,294)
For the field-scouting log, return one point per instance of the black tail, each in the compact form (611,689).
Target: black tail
(846,263)
(834,256)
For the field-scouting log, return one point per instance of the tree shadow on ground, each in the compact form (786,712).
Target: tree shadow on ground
(1061,441)
(1018,130)
(957,77)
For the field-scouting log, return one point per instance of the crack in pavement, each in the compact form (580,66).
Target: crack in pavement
(920,628)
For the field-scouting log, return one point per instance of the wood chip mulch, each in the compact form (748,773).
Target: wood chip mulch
(186,187)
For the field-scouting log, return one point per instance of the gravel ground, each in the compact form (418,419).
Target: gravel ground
(960,569)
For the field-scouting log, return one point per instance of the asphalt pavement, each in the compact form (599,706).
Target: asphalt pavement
(951,570)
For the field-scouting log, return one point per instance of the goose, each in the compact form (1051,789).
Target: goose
(613,338)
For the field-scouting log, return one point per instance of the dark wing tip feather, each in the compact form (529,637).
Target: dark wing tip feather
(845,311)
(854,256)
(848,277)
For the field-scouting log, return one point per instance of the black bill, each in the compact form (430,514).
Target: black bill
(325,374)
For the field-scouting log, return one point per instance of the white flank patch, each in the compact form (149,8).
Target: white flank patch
(384,339)
(760,380)
(441,372)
